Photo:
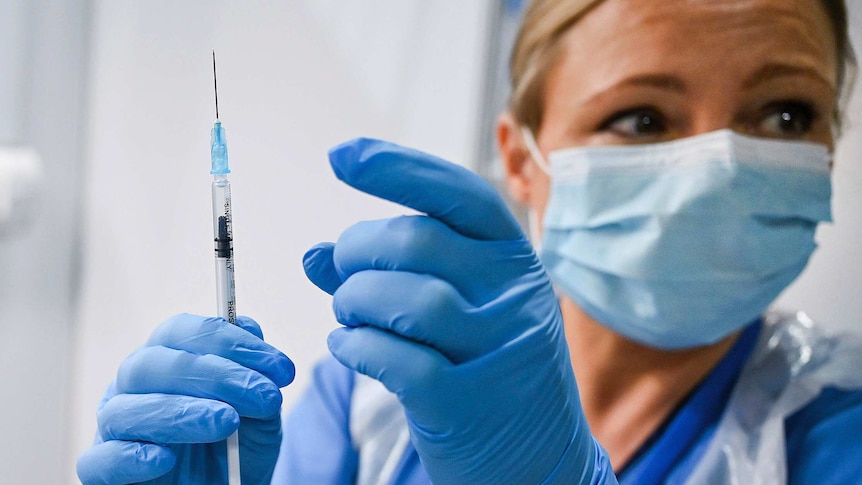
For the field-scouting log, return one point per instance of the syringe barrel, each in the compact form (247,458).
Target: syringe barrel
(222,208)
(223,245)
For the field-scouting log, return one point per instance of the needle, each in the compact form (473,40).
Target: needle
(215,84)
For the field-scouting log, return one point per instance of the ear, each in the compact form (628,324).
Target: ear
(515,157)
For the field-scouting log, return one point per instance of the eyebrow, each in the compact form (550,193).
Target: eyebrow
(775,70)
(661,81)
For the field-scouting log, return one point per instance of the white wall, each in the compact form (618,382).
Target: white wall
(294,79)
(42,56)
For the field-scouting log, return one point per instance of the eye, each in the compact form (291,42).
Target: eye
(636,123)
(787,119)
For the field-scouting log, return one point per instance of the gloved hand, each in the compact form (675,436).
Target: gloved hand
(453,312)
(177,398)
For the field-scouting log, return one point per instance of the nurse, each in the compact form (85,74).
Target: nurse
(674,156)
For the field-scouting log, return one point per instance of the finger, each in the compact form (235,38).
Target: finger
(170,371)
(443,190)
(400,365)
(320,269)
(259,445)
(213,335)
(110,392)
(121,462)
(420,244)
(418,307)
(249,325)
(166,419)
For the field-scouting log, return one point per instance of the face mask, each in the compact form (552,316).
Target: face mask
(679,244)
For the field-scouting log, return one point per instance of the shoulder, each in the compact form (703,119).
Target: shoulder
(823,439)
(333,381)
(822,432)
(797,356)
(327,400)
(795,412)
(316,445)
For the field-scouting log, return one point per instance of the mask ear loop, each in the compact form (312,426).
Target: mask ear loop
(533,148)
(539,160)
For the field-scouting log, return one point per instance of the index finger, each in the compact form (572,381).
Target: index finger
(445,191)
(212,335)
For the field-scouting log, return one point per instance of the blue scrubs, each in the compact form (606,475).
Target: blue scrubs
(823,443)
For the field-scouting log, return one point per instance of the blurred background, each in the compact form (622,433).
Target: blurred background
(105,224)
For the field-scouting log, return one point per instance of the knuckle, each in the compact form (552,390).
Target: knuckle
(104,418)
(149,369)
(262,399)
(129,368)
(437,296)
(410,235)
(425,377)
(250,325)
(426,371)
(172,329)
(271,400)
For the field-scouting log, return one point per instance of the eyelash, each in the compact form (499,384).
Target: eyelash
(797,119)
(657,120)
(795,108)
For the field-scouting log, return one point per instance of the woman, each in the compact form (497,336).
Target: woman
(647,72)
(663,254)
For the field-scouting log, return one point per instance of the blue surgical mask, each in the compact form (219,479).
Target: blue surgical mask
(679,244)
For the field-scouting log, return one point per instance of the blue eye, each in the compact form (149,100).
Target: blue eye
(787,119)
(640,122)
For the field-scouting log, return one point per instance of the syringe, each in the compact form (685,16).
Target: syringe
(223,235)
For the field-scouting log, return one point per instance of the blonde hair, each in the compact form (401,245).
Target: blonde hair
(537,48)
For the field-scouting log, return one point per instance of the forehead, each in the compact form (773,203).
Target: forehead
(667,35)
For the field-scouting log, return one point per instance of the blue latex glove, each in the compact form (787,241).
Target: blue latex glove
(177,398)
(453,312)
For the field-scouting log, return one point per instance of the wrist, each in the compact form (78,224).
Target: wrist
(583,462)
